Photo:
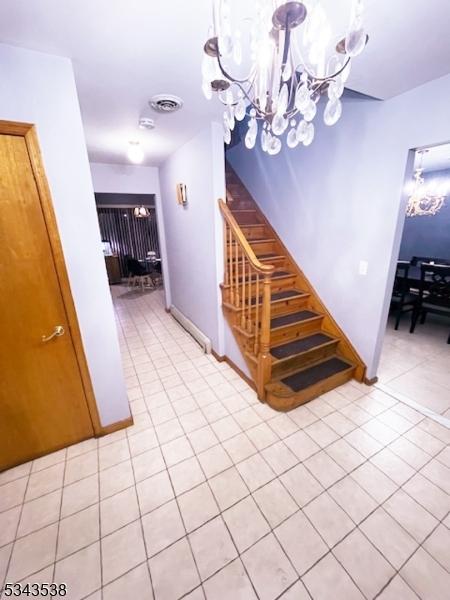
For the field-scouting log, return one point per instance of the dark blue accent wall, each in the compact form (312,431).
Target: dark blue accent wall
(428,235)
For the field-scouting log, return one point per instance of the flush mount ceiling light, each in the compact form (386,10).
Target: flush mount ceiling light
(146,123)
(135,152)
(141,212)
(425,199)
(283,60)
(166,103)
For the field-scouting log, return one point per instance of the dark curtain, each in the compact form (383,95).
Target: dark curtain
(128,234)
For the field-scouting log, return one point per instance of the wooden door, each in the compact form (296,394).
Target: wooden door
(43,404)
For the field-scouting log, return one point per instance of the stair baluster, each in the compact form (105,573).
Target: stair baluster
(250,326)
(237,299)
(230,266)
(243,314)
(264,361)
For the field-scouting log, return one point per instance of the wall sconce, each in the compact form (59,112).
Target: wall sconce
(181,194)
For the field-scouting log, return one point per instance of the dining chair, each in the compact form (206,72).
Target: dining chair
(434,293)
(402,299)
(137,274)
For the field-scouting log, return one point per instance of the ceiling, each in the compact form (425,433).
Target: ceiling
(125,51)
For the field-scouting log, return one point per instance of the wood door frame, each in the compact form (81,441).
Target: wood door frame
(28,132)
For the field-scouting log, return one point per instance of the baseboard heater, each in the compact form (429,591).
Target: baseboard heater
(187,324)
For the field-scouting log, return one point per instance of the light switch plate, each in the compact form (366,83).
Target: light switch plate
(363,267)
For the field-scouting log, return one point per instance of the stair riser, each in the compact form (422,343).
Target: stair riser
(258,247)
(247,217)
(288,306)
(255,233)
(234,184)
(277,308)
(291,402)
(294,331)
(263,247)
(277,285)
(283,367)
(236,193)
(283,308)
(241,204)
(280,264)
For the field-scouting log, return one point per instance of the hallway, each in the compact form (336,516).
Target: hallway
(212,494)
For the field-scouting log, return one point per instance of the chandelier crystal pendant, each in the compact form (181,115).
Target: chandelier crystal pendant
(283,57)
(424,200)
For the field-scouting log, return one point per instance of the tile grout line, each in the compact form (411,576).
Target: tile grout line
(258,451)
(367,459)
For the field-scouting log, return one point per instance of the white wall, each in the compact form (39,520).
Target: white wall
(39,88)
(194,233)
(341,200)
(125,179)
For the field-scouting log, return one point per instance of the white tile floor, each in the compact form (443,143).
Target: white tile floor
(213,495)
(418,365)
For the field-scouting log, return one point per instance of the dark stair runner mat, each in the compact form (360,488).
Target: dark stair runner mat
(301,345)
(302,315)
(307,377)
(284,295)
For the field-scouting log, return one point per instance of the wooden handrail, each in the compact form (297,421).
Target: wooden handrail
(245,246)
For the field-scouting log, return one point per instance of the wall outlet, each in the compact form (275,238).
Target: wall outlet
(363,267)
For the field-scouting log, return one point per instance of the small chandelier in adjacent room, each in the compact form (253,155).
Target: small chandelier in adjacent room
(277,62)
(424,200)
(141,212)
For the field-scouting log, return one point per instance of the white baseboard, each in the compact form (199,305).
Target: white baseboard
(187,324)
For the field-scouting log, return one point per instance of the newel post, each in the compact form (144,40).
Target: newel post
(264,360)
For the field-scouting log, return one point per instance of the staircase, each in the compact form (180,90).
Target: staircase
(294,349)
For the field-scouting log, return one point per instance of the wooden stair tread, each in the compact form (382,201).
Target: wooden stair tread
(287,295)
(291,318)
(316,373)
(301,345)
(272,257)
(256,240)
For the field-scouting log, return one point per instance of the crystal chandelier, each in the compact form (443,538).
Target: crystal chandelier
(292,58)
(424,200)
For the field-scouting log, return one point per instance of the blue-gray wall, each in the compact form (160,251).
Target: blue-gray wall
(428,235)
(341,201)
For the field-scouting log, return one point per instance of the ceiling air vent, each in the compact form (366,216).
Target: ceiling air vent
(166,103)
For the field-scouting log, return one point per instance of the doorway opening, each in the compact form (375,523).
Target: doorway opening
(415,358)
(130,239)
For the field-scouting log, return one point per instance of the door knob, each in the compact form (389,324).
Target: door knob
(57,332)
